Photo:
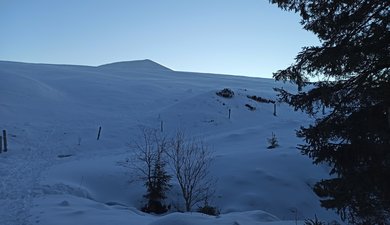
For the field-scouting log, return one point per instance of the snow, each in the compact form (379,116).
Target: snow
(138,65)
(56,172)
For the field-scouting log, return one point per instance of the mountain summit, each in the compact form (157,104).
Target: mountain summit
(144,65)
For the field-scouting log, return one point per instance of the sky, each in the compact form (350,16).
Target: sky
(245,37)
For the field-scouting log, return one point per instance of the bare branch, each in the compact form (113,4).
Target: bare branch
(190,160)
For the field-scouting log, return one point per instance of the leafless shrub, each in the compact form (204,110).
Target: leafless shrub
(190,160)
(226,93)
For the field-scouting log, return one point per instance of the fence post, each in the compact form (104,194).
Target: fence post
(162,126)
(1,144)
(5,140)
(274,109)
(100,129)
(229,113)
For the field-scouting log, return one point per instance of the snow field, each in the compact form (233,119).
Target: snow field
(56,172)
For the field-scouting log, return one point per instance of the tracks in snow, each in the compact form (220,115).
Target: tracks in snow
(20,169)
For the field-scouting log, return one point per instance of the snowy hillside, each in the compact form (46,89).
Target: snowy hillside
(56,172)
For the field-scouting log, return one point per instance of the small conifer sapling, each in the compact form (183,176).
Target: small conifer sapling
(273,141)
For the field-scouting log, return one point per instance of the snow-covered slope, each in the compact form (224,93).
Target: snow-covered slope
(56,172)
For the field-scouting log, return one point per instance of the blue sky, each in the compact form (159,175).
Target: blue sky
(246,37)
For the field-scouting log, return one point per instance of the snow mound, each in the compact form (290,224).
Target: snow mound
(256,217)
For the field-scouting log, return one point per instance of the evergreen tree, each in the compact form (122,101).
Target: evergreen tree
(157,187)
(352,134)
(150,151)
(273,141)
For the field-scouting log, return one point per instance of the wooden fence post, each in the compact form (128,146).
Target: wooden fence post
(229,113)
(1,144)
(5,140)
(274,109)
(162,126)
(100,129)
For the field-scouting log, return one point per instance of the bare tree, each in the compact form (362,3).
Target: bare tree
(150,153)
(190,160)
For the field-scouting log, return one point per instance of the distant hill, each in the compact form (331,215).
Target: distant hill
(137,65)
